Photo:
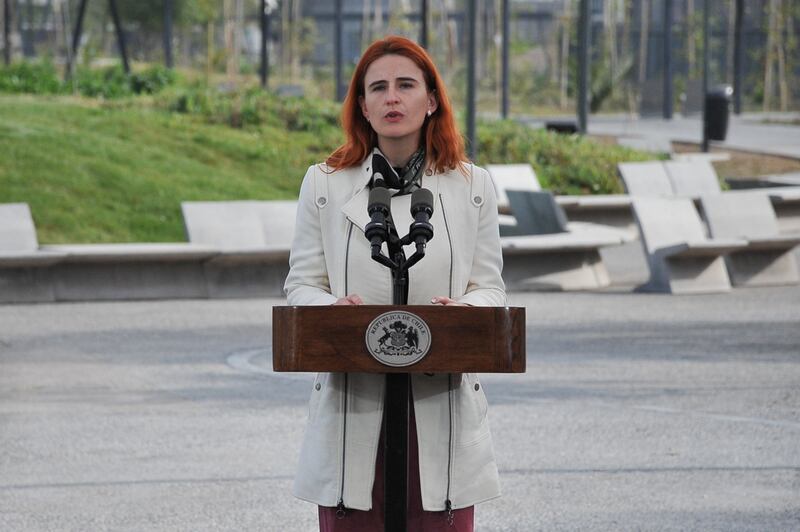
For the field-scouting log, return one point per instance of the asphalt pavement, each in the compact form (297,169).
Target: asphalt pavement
(637,412)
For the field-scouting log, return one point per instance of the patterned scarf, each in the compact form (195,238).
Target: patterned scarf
(406,179)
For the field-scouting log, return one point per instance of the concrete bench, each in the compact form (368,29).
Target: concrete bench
(130,271)
(692,179)
(768,257)
(609,209)
(25,274)
(546,254)
(696,179)
(681,258)
(253,240)
(648,178)
(33,273)
(511,177)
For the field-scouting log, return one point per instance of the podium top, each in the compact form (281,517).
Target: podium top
(354,338)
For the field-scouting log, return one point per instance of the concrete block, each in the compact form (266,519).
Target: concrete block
(507,177)
(26,285)
(648,178)
(680,257)
(129,280)
(768,257)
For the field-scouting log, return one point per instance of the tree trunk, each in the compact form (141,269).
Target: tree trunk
(610,39)
(210,50)
(730,40)
(366,37)
(228,14)
(691,52)
(643,41)
(566,23)
(450,33)
(377,19)
(286,30)
(627,36)
(768,81)
(780,47)
(297,17)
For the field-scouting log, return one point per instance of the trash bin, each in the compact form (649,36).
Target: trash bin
(567,127)
(718,102)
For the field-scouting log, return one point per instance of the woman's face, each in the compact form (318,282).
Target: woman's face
(396,99)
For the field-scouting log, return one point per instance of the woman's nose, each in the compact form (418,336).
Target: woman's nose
(391,95)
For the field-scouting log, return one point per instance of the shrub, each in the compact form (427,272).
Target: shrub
(152,80)
(564,164)
(252,107)
(111,82)
(41,77)
(30,77)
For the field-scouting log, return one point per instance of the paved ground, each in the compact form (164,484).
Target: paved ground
(638,412)
(747,132)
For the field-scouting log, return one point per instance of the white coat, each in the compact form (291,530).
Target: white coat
(330,258)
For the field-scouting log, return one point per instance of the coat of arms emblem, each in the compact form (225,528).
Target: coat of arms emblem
(398,338)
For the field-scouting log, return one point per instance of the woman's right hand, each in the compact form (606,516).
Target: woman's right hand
(352,299)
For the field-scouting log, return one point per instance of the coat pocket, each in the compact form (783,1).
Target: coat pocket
(316,396)
(471,411)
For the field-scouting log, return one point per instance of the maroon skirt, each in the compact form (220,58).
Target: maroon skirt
(461,520)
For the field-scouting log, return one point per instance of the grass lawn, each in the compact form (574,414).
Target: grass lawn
(117,173)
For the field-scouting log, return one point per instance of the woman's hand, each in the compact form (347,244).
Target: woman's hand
(352,299)
(446,301)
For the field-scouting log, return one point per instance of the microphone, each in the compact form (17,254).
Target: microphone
(421,230)
(378,207)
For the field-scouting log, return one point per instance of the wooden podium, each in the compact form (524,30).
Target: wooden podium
(463,339)
(398,340)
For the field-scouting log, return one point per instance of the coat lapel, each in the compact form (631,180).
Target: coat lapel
(356,208)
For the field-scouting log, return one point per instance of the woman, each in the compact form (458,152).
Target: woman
(397,107)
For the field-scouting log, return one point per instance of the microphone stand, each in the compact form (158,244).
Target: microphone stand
(396,407)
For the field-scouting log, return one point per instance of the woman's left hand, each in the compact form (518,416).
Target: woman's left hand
(446,301)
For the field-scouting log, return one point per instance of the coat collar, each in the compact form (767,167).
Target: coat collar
(356,208)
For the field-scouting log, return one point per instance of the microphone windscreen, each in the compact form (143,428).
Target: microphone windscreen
(422,198)
(379,197)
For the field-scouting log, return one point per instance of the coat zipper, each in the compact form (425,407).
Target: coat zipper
(347,256)
(449,242)
(341,511)
(340,508)
(448,505)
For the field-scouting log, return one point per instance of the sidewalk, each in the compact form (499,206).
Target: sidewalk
(746,132)
(638,412)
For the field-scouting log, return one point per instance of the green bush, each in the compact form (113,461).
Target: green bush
(564,164)
(41,77)
(30,77)
(113,82)
(152,80)
(252,107)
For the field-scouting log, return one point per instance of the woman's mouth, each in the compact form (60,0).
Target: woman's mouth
(393,116)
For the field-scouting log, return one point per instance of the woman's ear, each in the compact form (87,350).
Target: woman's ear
(433,104)
(363,107)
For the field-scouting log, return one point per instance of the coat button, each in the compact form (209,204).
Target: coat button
(477,386)
(321,201)
(478,200)
(317,386)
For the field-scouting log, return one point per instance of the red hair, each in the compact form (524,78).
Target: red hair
(444,146)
